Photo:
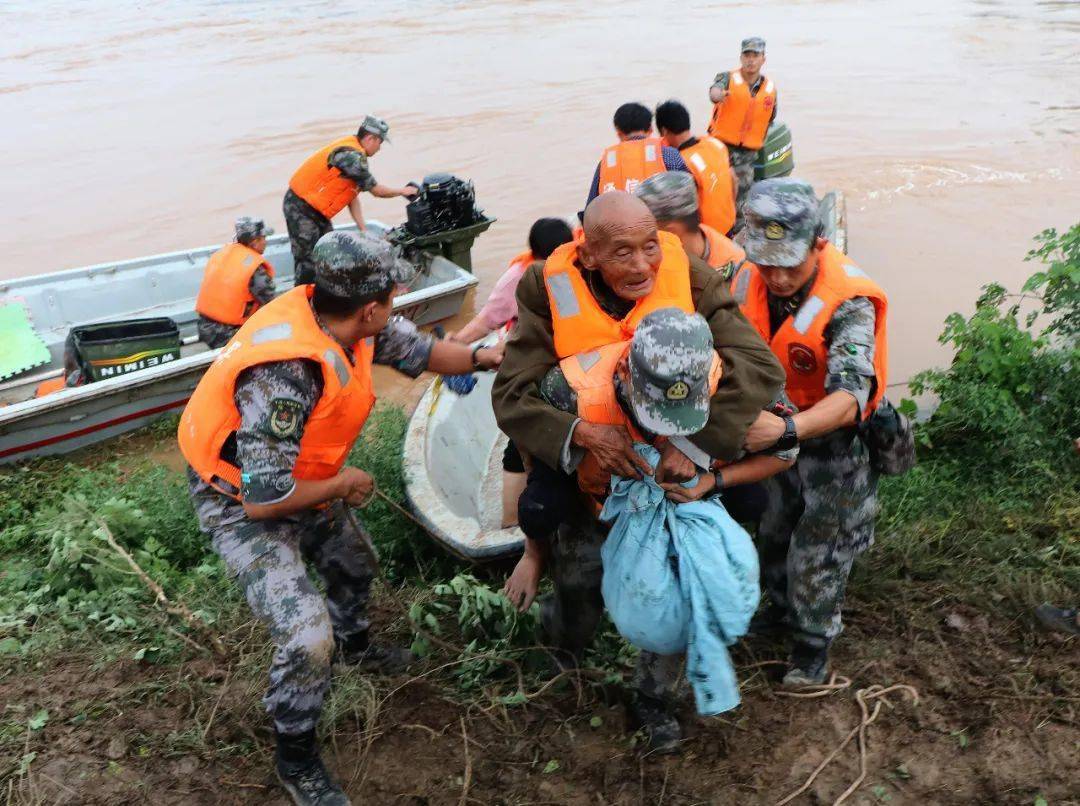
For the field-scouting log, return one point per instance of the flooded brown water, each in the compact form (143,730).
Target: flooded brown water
(138,128)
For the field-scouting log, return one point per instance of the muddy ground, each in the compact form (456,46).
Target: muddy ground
(998,722)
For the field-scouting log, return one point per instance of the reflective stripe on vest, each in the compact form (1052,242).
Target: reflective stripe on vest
(710,166)
(225,294)
(800,342)
(284,329)
(624,165)
(592,377)
(578,322)
(321,186)
(742,119)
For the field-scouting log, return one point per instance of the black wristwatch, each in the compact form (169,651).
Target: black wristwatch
(475,364)
(790,437)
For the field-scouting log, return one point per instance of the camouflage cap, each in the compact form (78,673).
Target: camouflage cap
(670,358)
(754,43)
(781,222)
(669,195)
(351,265)
(377,126)
(248,228)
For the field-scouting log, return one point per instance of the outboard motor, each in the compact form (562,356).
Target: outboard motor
(443,203)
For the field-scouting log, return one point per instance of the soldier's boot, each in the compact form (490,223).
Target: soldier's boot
(302,773)
(773,620)
(1058,619)
(809,666)
(655,717)
(375,658)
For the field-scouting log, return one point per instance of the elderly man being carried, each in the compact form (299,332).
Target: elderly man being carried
(588,295)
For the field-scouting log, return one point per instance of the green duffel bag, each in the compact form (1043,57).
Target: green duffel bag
(110,349)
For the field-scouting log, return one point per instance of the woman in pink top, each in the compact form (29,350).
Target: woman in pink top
(545,236)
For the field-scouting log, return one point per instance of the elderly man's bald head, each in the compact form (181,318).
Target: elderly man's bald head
(613,211)
(622,243)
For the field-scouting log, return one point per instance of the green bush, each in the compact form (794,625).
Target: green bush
(1008,403)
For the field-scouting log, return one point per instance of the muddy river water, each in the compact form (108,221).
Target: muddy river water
(134,128)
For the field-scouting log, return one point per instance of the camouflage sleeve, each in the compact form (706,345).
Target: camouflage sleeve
(849,340)
(262,286)
(557,391)
(402,346)
(275,401)
(353,165)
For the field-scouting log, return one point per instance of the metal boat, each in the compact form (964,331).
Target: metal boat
(160,285)
(453,454)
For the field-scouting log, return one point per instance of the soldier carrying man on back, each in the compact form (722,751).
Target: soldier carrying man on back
(326,183)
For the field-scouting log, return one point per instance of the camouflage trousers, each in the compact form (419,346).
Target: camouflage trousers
(214,334)
(571,614)
(267,559)
(742,162)
(819,517)
(305,226)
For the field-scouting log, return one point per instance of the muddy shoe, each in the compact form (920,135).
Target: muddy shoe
(378,659)
(768,622)
(809,666)
(1058,619)
(659,723)
(303,775)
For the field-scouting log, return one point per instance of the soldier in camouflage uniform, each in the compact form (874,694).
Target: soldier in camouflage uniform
(742,159)
(672,197)
(306,224)
(274,525)
(251,232)
(820,513)
(662,387)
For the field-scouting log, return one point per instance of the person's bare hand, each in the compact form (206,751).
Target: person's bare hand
(409,191)
(717,94)
(613,449)
(355,485)
(764,432)
(683,495)
(674,465)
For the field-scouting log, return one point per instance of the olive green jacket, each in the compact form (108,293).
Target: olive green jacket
(752,377)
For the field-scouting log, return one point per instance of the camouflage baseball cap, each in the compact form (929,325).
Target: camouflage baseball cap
(781,222)
(669,195)
(377,126)
(248,228)
(670,358)
(754,43)
(351,265)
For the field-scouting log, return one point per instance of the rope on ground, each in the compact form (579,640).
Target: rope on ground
(176,608)
(863,697)
(466,779)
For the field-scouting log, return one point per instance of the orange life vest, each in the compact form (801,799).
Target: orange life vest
(742,119)
(722,250)
(624,165)
(50,386)
(710,166)
(282,330)
(225,295)
(321,186)
(591,375)
(577,320)
(799,343)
